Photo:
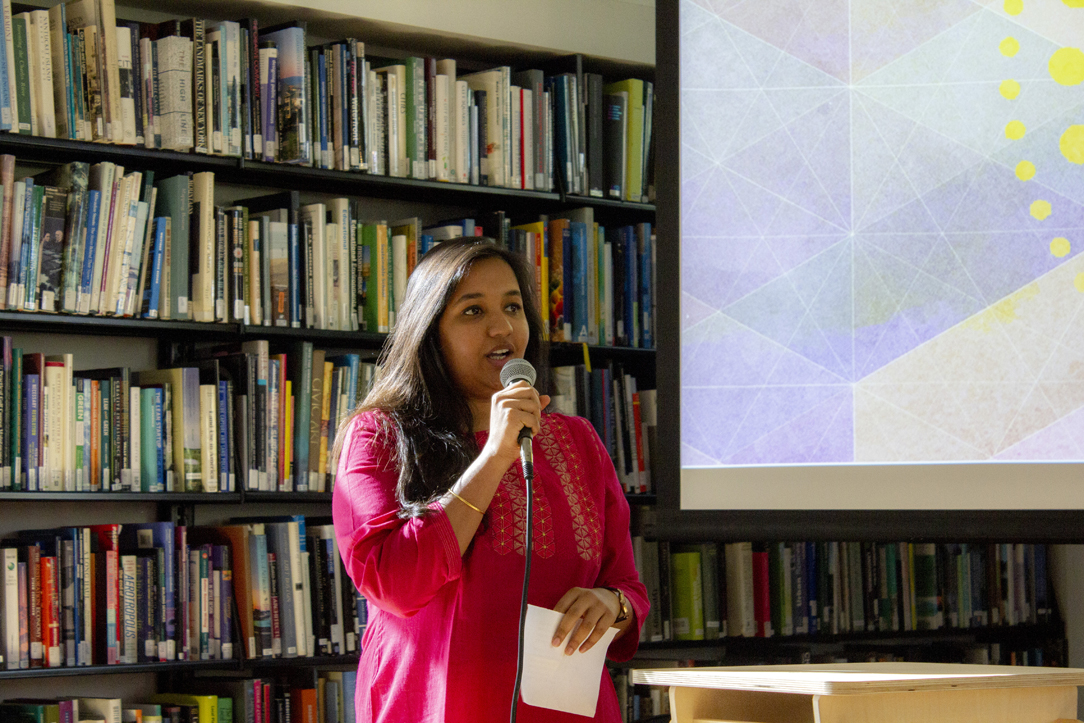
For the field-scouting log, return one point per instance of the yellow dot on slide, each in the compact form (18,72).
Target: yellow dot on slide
(1014,7)
(1040,209)
(1078,282)
(1074,3)
(1009,89)
(1066,66)
(1009,47)
(1015,130)
(1060,247)
(1072,144)
(1025,170)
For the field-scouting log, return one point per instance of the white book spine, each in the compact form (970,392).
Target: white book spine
(10,560)
(128,599)
(334,271)
(135,438)
(527,123)
(399,268)
(208,412)
(9,43)
(462,132)
(515,96)
(300,634)
(126,89)
(443,139)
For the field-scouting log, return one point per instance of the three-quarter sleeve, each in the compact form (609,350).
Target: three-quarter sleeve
(398,564)
(618,566)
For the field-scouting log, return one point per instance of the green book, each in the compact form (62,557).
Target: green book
(173,201)
(149,432)
(22,75)
(415,118)
(225,710)
(926,586)
(299,367)
(709,576)
(634,145)
(27,713)
(16,419)
(687,594)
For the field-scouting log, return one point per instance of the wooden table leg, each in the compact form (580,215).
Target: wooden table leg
(990,705)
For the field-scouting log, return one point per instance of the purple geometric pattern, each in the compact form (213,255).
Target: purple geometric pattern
(848,199)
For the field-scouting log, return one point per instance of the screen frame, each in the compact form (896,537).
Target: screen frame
(986,521)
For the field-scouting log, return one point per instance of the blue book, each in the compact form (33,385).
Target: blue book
(1042,594)
(224,565)
(159,535)
(323,108)
(350,684)
(580,284)
(295,274)
(632,304)
(225,466)
(160,438)
(566,274)
(261,592)
(148,454)
(152,293)
(352,362)
(7,118)
(90,247)
(644,245)
(25,258)
(31,425)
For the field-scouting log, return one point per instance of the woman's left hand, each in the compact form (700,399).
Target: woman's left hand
(596,609)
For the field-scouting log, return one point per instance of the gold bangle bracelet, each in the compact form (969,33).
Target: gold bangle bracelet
(468,504)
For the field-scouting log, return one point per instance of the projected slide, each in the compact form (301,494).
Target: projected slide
(882,225)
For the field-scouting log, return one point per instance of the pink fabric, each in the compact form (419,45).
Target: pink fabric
(442,635)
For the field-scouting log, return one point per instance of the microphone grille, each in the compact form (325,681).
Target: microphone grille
(517,369)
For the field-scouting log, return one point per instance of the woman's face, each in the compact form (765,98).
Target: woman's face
(481,329)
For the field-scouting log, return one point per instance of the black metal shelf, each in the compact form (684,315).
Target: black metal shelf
(256,497)
(173,666)
(170,497)
(992,633)
(319,661)
(36,149)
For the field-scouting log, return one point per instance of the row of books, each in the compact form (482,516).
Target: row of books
(155,592)
(624,416)
(245,700)
(709,591)
(237,417)
(95,239)
(115,594)
(234,89)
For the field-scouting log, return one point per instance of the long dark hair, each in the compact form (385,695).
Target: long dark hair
(421,407)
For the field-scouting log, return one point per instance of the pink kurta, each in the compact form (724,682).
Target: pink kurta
(443,629)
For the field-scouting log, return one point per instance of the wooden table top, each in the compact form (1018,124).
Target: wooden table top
(858,678)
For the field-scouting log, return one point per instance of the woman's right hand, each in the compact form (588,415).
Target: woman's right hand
(510,410)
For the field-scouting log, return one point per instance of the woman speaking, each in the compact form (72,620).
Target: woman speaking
(429,505)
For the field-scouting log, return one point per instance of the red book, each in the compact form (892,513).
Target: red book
(303,705)
(257,700)
(50,613)
(762,599)
(33,574)
(639,441)
(109,540)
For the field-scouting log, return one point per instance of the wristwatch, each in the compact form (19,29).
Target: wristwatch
(623,602)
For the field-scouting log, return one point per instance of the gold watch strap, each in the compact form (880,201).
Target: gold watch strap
(622,602)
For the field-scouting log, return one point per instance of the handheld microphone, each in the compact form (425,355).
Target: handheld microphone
(517,370)
(514,371)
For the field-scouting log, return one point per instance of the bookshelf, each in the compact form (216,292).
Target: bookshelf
(104,341)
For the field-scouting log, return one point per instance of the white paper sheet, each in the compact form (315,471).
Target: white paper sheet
(553,680)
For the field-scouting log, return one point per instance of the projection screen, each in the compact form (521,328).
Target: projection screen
(882,286)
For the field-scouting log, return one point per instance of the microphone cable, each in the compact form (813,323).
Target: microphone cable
(528,477)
